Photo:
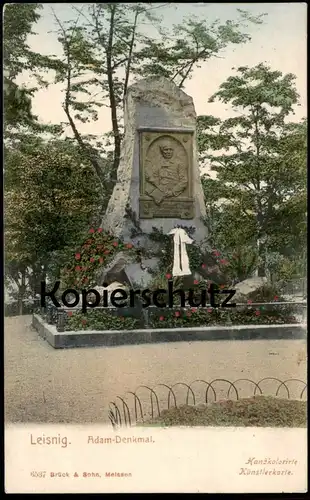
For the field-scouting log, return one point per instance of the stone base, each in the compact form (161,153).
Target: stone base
(84,338)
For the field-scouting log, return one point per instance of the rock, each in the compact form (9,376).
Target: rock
(114,286)
(138,277)
(124,269)
(160,110)
(100,289)
(151,264)
(115,271)
(247,287)
(136,311)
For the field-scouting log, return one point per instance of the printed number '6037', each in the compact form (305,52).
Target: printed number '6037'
(38,473)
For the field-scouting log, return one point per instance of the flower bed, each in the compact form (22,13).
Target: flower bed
(101,319)
(99,248)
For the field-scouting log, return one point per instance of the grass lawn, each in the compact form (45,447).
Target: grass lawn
(258,411)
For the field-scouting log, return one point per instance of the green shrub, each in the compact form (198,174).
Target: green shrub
(99,320)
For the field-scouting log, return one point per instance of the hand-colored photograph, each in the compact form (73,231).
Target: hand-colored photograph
(155,246)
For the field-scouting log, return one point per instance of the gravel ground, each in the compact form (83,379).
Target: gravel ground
(76,385)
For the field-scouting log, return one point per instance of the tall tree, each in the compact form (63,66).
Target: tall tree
(18,21)
(50,197)
(107,46)
(260,162)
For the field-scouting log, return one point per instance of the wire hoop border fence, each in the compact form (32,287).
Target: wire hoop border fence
(122,416)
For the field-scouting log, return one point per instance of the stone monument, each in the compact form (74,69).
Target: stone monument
(158,177)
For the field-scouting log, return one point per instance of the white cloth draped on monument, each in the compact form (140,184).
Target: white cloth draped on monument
(180,258)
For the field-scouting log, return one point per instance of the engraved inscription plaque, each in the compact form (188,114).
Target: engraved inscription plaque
(166,175)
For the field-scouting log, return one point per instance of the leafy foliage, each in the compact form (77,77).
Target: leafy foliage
(50,197)
(17,57)
(190,44)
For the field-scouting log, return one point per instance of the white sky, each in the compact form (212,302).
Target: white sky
(279,42)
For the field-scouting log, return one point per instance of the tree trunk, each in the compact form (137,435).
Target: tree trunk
(21,293)
(261,269)
(128,67)
(39,275)
(20,306)
(112,98)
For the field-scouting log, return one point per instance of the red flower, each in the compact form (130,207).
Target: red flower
(99,230)
(177,314)
(86,279)
(101,260)
(216,253)
(203,266)
(250,301)
(161,318)
(194,309)
(107,251)
(275,297)
(224,262)
(257,313)
(196,282)
(188,314)
(129,245)
(69,313)
(91,231)
(77,256)
(92,259)
(168,276)
(78,268)
(210,310)
(115,244)
(84,321)
(222,286)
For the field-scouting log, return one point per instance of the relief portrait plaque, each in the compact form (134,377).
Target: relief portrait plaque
(166,179)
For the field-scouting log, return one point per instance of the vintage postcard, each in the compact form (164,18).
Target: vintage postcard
(155,221)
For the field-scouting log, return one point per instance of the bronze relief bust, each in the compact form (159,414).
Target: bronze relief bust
(166,175)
